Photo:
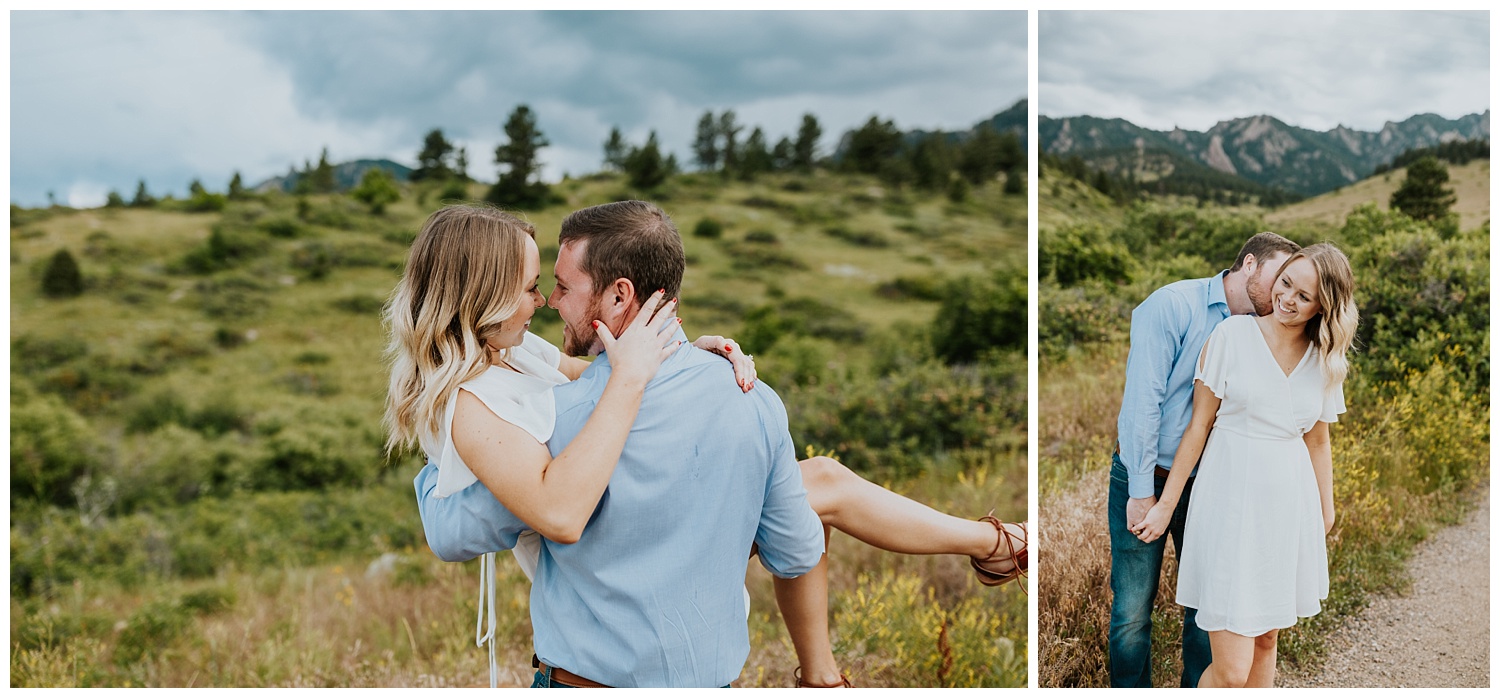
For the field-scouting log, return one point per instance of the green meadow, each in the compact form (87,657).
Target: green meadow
(199,495)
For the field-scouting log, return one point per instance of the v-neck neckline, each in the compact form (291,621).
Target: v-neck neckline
(1272,352)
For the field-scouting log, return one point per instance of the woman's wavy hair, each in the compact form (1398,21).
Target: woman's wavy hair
(1332,330)
(462,279)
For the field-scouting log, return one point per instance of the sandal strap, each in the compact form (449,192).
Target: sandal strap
(843,681)
(1018,557)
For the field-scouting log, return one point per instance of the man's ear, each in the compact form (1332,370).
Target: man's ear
(1251,265)
(617,305)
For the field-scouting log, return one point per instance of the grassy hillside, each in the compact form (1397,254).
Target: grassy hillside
(1471,182)
(199,495)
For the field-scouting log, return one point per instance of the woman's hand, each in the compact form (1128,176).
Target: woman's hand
(744,364)
(646,342)
(1155,523)
(1328,521)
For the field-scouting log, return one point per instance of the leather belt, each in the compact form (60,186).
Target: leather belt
(1160,471)
(565,677)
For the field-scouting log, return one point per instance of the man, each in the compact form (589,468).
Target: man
(651,594)
(1167,332)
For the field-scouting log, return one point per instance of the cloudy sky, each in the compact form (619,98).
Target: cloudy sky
(1311,69)
(101,99)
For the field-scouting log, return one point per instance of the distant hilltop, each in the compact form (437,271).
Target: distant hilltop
(1263,149)
(346,175)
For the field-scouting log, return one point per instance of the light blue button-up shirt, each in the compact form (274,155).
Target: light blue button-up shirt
(652,593)
(1167,332)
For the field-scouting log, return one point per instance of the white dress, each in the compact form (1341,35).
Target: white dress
(1254,557)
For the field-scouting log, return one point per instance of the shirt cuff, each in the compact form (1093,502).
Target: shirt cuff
(1142,485)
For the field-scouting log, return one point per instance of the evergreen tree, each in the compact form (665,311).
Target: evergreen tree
(931,161)
(376,189)
(322,180)
(731,132)
(432,162)
(615,150)
(236,187)
(114,200)
(302,179)
(782,155)
(518,162)
(644,165)
(958,189)
(706,144)
(195,188)
(62,279)
(143,198)
(805,151)
(871,145)
(1423,196)
(461,164)
(983,156)
(755,157)
(671,164)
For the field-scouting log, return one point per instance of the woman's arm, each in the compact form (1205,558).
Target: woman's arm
(1320,447)
(744,364)
(1205,410)
(556,496)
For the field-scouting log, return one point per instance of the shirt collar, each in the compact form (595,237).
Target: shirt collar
(603,357)
(1216,291)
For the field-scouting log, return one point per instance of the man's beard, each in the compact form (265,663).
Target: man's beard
(581,339)
(1260,296)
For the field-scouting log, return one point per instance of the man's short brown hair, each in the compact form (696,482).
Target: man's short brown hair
(1263,245)
(632,240)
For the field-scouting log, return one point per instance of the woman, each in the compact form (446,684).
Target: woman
(463,357)
(1254,558)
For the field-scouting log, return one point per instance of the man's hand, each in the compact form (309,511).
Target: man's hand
(1136,509)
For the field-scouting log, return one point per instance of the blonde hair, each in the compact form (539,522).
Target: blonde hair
(1332,330)
(463,277)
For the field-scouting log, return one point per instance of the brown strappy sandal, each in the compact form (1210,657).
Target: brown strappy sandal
(843,681)
(992,578)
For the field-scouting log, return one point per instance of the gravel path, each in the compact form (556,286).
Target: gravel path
(1438,636)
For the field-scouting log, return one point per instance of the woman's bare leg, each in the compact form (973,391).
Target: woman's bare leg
(1233,656)
(804,609)
(1263,667)
(889,521)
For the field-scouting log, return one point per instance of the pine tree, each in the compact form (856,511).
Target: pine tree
(755,158)
(615,150)
(805,150)
(62,279)
(731,151)
(236,187)
(871,145)
(518,162)
(706,144)
(432,162)
(143,198)
(322,180)
(114,200)
(195,188)
(644,166)
(461,164)
(1423,196)
(782,155)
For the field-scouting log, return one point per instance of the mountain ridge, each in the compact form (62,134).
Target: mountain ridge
(1265,149)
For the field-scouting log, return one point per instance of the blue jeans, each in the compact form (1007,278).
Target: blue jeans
(1135,572)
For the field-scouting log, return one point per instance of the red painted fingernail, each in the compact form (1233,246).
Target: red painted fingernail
(679,320)
(728,348)
(596,324)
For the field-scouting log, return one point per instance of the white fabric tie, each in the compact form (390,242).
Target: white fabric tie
(482,635)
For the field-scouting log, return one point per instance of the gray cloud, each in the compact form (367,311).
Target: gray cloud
(99,99)
(1311,69)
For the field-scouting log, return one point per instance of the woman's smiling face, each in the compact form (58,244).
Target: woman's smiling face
(1294,297)
(513,330)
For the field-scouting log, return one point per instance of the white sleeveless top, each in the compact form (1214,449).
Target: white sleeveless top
(523,399)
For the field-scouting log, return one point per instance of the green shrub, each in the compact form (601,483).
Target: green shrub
(981,314)
(51,446)
(1081,315)
(1072,254)
(859,238)
(923,288)
(708,228)
(360,304)
(762,236)
(62,279)
(282,227)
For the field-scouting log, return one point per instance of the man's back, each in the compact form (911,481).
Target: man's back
(651,594)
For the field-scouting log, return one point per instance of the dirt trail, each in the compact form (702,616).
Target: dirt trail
(1438,636)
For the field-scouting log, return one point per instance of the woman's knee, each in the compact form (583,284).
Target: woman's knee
(1233,669)
(823,478)
(1266,642)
